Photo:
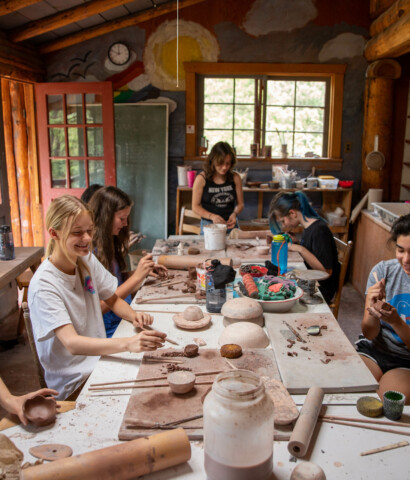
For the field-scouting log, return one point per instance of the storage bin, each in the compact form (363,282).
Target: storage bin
(328,183)
(336,220)
(389,212)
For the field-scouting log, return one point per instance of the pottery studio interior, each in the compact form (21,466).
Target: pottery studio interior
(204,239)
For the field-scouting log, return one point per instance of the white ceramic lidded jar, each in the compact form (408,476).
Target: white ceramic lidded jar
(238,428)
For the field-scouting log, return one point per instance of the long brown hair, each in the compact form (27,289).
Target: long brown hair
(216,156)
(61,215)
(107,247)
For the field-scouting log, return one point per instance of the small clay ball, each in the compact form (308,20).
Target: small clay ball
(231,350)
(193,251)
(191,350)
(308,471)
(193,314)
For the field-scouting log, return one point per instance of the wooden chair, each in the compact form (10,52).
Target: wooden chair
(343,251)
(189,222)
(29,329)
(23,281)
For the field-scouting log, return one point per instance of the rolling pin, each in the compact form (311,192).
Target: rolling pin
(305,424)
(183,262)
(120,462)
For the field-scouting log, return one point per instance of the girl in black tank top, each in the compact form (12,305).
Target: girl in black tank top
(217,194)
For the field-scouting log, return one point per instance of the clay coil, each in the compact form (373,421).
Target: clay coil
(250,286)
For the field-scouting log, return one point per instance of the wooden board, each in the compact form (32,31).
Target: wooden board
(161,405)
(345,372)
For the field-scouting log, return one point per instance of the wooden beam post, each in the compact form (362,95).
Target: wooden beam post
(390,16)
(108,27)
(20,149)
(377,7)
(378,118)
(10,6)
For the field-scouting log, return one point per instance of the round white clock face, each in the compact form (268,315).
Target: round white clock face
(119,53)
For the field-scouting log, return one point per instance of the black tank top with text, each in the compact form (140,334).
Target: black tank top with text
(219,198)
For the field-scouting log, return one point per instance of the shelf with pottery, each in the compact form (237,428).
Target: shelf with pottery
(331,199)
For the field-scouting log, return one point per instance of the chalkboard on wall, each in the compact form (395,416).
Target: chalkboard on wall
(141,141)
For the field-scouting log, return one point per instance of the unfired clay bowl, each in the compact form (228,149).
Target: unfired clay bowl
(40,411)
(191,318)
(243,309)
(181,382)
(245,334)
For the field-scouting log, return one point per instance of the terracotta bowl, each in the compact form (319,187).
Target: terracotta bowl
(40,411)
(181,382)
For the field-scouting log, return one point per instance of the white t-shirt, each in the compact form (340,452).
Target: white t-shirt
(56,299)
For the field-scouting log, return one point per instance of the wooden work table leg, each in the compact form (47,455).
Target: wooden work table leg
(260,204)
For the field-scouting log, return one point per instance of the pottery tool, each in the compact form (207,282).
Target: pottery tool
(385,448)
(161,377)
(183,262)
(128,460)
(294,332)
(148,385)
(161,359)
(364,420)
(369,406)
(375,276)
(375,160)
(366,427)
(147,300)
(305,424)
(169,340)
(130,421)
(166,283)
(168,311)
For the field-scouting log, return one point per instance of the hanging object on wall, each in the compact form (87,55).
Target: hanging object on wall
(195,44)
(375,160)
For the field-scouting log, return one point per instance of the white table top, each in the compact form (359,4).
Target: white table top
(95,422)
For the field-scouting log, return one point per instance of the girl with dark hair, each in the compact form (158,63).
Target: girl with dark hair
(385,344)
(217,194)
(111,207)
(287,211)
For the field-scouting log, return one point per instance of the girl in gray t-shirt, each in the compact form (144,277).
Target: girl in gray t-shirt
(385,348)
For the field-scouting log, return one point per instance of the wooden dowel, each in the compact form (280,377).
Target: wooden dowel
(162,377)
(100,389)
(385,448)
(166,283)
(375,276)
(169,340)
(167,311)
(146,300)
(362,420)
(162,360)
(148,424)
(366,427)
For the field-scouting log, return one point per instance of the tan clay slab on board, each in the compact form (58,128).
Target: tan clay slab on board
(162,406)
(338,370)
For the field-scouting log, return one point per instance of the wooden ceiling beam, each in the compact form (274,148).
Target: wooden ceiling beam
(61,19)
(377,7)
(392,42)
(397,10)
(108,27)
(10,6)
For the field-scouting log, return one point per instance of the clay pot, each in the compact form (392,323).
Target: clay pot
(40,411)
(191,318)
(242,309)
(245,334)
(181,382)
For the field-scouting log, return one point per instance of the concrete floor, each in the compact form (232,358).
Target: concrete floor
(18,371)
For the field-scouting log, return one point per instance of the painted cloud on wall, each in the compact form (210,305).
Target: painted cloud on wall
(345,45)
(195,44)
(266,16)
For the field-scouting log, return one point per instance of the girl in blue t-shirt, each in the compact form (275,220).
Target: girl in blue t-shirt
(111,208)
(385,346)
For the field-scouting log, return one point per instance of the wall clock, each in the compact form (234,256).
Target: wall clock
(119,53)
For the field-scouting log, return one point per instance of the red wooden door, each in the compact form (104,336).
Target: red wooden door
(75,125)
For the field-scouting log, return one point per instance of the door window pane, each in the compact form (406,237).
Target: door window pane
(242,142)
(309,119)
(215,136)
(57,142)
(308,142)
(76,142)
(96,173)
(58,173)
(218,116)
(77,174)
(218,90)
(95,142)
(93,105)
(55,109)
(281,92)
(74,108)
(312,94)
(244,116)
(245,90)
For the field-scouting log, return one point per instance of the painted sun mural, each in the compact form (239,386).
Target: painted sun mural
(195,44)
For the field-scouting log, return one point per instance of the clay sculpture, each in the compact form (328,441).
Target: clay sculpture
(242,309)
(40,411)
(181,382)
(231,350)
(192,318)
(246,334)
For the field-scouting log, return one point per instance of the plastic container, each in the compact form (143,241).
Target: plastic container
(328,183)
(182,175)
(238,428)
(215,297)
(336,220)
(280,253)
(389,212)
(215,236)
(190,175)
(6,243)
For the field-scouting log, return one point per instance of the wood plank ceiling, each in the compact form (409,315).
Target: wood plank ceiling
(51,25)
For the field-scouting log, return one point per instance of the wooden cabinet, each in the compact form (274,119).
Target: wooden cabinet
(331,199)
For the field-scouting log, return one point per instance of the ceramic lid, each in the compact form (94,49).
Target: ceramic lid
(243,308)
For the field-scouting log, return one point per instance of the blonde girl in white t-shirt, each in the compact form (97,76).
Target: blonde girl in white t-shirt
(64,301)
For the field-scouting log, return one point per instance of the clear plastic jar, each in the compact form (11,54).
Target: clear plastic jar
(6,243)
(238,428)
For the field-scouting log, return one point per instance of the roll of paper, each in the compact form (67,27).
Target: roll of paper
(375,195)
(305,424)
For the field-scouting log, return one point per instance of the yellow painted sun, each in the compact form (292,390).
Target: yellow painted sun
(195,44)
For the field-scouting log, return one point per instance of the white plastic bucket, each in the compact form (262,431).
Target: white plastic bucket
(215,236)
(182,177)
